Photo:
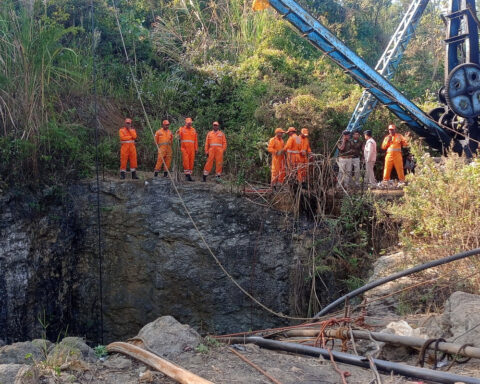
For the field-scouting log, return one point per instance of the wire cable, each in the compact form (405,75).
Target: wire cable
(396,276)
(97,171)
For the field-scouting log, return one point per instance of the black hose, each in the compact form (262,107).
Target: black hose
(396,276)
(359,361)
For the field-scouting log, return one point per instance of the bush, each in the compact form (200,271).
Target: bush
(441,209)
(440,212)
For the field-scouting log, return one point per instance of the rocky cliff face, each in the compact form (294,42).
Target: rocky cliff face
(154,261)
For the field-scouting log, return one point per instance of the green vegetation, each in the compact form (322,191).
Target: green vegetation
(441,209)
(100,351)
(440,215)
(209,60)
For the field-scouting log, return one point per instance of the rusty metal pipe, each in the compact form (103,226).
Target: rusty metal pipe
(408,341)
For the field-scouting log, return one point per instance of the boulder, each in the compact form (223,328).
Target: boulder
(21,353)
(167,337)
(8,372)
(71,348)
(461,316)
(44,344)
(18,374)
(379,297)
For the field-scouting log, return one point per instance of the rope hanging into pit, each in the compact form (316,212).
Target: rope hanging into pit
(99,230)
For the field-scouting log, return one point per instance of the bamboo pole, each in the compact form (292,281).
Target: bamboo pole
(171,370)
(409,341)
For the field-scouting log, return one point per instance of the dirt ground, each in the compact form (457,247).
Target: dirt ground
(219,365)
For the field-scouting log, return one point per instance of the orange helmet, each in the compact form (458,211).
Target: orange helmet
(279,130)
(128,120)
(304,131)
(392,126)
(188,120)
(291,129)
(165,122)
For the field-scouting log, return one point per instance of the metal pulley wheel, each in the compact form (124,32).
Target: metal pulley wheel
(441,95)
(462,90)
(452,121)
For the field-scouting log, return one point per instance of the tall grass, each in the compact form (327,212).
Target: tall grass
(34,69)
(33,66)
(195,32)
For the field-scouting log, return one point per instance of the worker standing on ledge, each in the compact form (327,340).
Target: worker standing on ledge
(293,149)
(128,151)
(304,156)
(393,144)
(215,146)
(370,157)
(164,141)
(188,146)
(275,147)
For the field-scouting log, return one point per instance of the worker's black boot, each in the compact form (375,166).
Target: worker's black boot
(189,178)
(155,174)
(134,175)
(122,175)
(165,174)
(204,179)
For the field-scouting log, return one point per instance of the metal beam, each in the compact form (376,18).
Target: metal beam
(361,72)
(389,61)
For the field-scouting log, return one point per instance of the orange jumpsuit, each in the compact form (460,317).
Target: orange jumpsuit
(215,145)
(394,156)
(303,159)
(293,149)
(188,146)
(278,161)
(164,140)
(127,151)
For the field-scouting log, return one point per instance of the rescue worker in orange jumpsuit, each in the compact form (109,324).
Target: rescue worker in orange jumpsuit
(304,155)
(275,147)
(393,144)
(164,140)
(127,151)
(293,149)
(188,146)
(215,146)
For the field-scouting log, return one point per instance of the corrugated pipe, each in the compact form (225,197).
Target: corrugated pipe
(359,361)
(396,276)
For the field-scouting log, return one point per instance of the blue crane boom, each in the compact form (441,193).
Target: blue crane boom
(361,72)
(389,61)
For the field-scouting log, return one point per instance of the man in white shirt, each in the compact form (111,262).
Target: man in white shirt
(370,156)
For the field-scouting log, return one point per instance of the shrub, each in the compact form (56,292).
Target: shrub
(441,209)
(440,212)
